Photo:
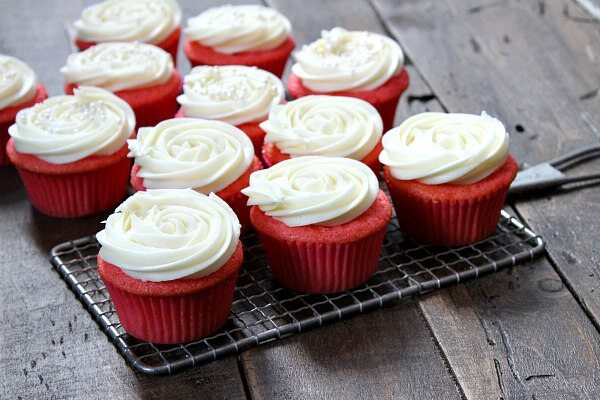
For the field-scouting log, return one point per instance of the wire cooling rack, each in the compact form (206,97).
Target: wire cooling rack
(263,310)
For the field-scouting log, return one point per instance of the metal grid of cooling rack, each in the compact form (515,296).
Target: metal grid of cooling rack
(263,310)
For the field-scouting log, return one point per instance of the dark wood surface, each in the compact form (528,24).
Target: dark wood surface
(529,332)
(529,64)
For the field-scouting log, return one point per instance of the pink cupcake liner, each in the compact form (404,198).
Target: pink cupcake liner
(79,194)
(320,268)
(451,222)
(175,319)
(174,311)
(451,215)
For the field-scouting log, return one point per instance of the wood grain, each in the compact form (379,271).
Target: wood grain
(572,239)
(517,334)
(387,354)
(501,334)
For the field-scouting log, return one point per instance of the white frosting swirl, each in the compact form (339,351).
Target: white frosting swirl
(231,93)
(313,190)
(234,29)
(436,148)
(119,66)
(148,21)
(332,126)
(348,60)
(64,129)
(18,83)
(168,234)
(200,154)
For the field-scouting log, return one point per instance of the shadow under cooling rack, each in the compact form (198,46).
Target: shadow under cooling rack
(263,310)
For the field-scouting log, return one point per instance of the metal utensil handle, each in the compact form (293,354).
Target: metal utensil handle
(572,155)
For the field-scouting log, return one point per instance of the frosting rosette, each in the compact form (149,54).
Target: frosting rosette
(18,83)
(168,234)
(313,190)
(344,60)
(149,21)
(436,148)
(64,129)
(233,94)
(119,66)
(180,153)
(332,126)
(234,29)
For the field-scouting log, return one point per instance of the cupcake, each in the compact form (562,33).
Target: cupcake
(355,64)
(207,156)
(154,22)
(141,74)
(249,35)
(448,175)
(241,96)
(169,260)
(331,126)
(321,221)
(71,152)
(19,89)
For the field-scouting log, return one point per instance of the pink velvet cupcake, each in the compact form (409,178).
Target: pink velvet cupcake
(239,95)
(321,221)
(154,22)
(448,175)
(71,152)
(141,74)
(207,156)
(364,65)
(250,35)
(330,126)
(19,89)
(170,260)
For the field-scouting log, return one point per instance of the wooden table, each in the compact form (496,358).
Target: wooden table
(528,332)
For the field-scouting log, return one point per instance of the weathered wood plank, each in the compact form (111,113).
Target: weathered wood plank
(518,334)
(51,347)
(572,238)
(526,66)
(386,354)
(501,334)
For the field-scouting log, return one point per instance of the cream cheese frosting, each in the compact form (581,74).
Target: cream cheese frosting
(232,93)
(168,234)
(18,83)
(191,153)
(333,126)
(148,21)
(344,60)
(436,148)
(233,29)
(64,129)
(119,66)
(313,190)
